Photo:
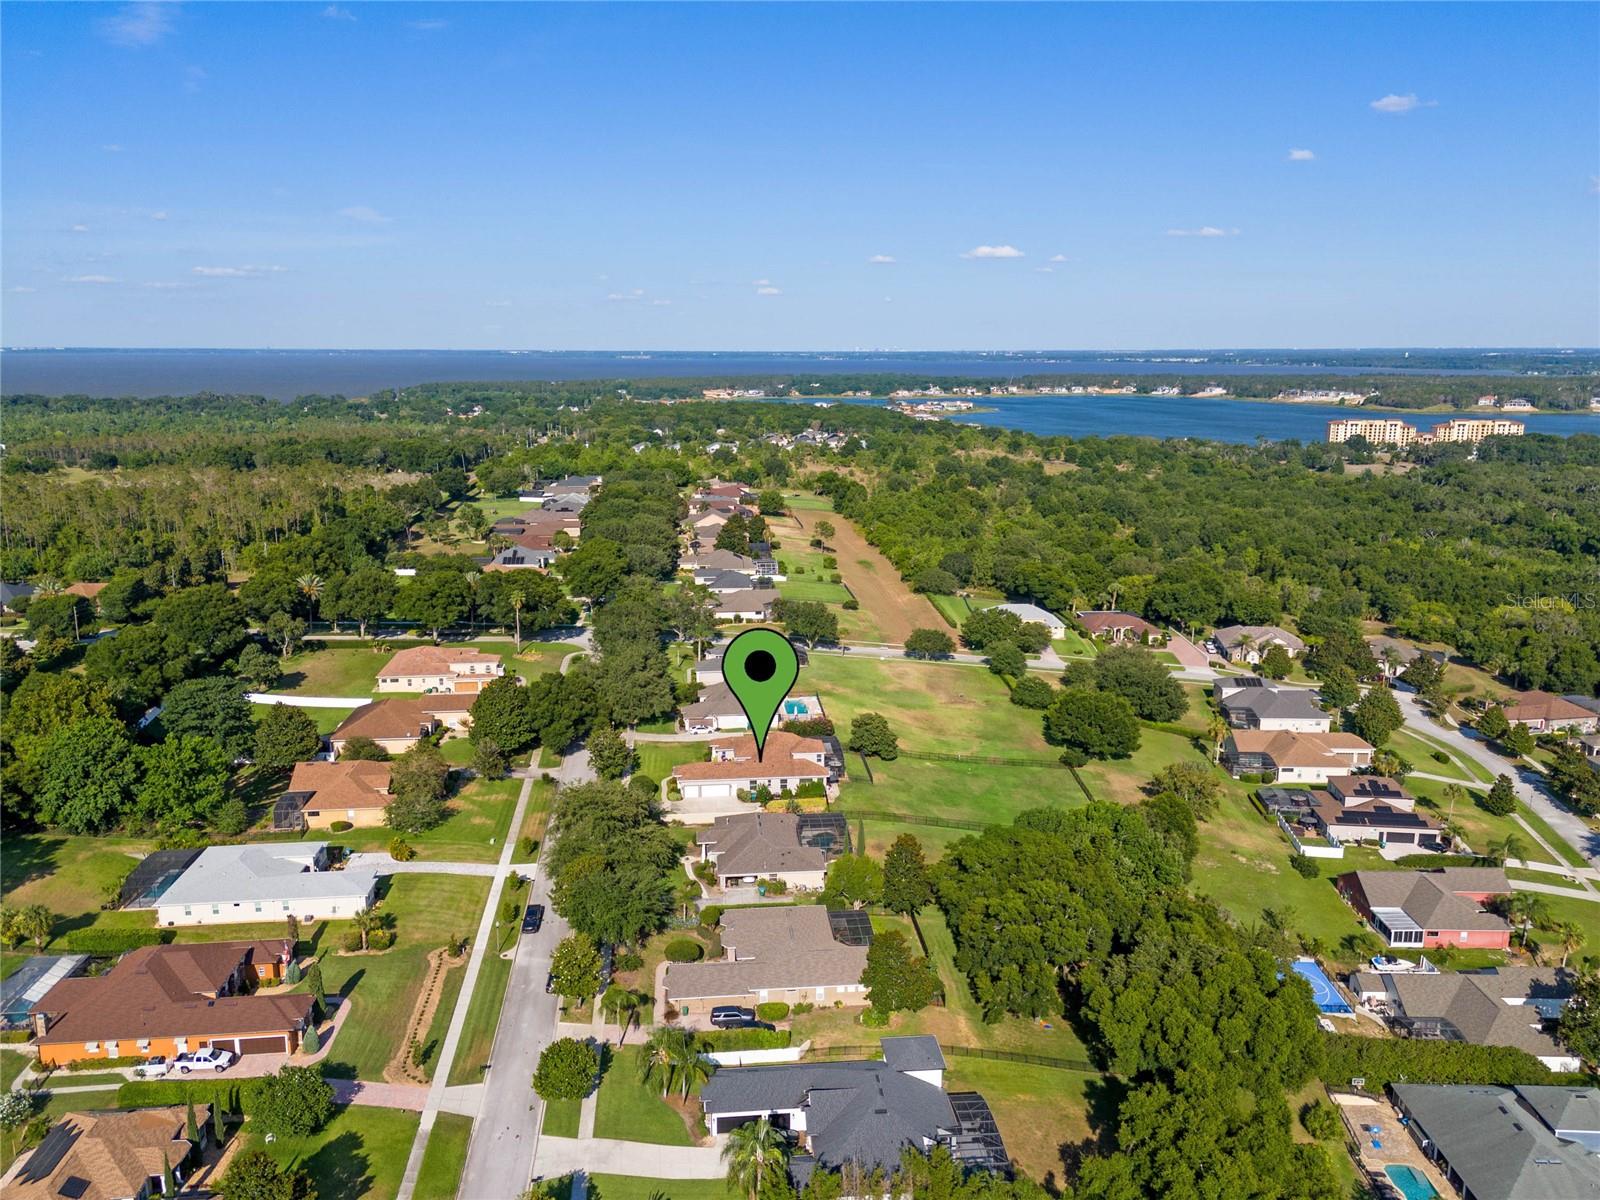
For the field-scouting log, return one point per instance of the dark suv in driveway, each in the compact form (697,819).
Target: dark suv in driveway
(731,1016)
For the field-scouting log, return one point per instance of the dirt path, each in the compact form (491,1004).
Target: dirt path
(893,608)
(401,1068)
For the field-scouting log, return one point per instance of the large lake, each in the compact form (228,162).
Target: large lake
(285,374)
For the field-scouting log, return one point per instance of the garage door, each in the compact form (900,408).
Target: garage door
(277,1044)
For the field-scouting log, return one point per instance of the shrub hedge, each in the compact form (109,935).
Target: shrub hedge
(1382,1061)
(748,1039)
(682,950)
(92,940)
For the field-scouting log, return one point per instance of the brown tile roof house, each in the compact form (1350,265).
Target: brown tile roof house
(394,724)
(89,591)
(1541,711)
(788,762)
(106,1155)
(1117,626)
(766,845)
(1431,908)
(158,995)
(1295,757)
(777,952)
(356,791)
(430,668)
(1499,1006)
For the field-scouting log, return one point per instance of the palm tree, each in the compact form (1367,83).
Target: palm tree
(33,923)
(311,588)
(1508,847)
(671,1057)
(621,1005)
(1216,731)
(1527,910)
(517,601)
(365,922)
(1571,936)
(757,1153)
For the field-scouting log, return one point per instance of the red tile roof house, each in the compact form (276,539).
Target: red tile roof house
(1542,712)
(439,669)
(170,999)
(397,725)
(1109,626)
(355,791)
(1294,757)
(108,1155)
(1424,909)
(789,761)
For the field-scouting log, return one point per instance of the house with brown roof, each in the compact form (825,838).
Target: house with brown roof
(172,999)
(115,1154)
(439,669)
(1249,643)
(794,847)
(1373,808)
(1495,1006)
(1424,909)
(89,591)
(790,954)
(356,791)
(1285,757)
(1107,625)
(788,762)
(397,725)
(1543,712)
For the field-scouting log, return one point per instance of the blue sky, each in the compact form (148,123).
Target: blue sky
(789,177)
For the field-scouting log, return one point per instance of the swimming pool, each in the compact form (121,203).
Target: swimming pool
(1413,1184)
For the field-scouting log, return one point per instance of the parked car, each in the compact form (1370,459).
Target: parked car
(204,1058)
(731,1016)
(608,962)
(550,982)
(533,918)
(153,1068)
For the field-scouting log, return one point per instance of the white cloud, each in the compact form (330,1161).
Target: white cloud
(112,148)
(80,229)
(769,290)
(166,285)
(763,282)
(142,24)
(1396,104)
(881,258)
(1044,270)
(660,303)
(626,297)
(364,213)
(234,272)
(1297,155)
(1204,231)
(1058,258)
(993,252)
(429,25)
(22,287)
(90,279)
(334,13)
(159,215)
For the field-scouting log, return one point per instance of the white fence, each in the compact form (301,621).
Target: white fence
(1334,849)
(754,1058)
(308,701)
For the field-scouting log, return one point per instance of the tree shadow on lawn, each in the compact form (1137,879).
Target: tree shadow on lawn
(1103,1098)
(339,1168)
(27,857)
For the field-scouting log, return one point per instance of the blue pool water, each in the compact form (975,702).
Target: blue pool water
(1413,1184)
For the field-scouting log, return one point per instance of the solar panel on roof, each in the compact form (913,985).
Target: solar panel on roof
(47,1157)
(72,1187)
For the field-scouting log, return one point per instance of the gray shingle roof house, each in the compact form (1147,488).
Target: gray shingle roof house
(788,953)
(1519,1143)
(796,848)
(1273,707)
(860,1112)
(263,883)
(1032,614)
(12,592)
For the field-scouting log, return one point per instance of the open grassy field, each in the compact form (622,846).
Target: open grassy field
(1478,825)
(807,578)
(338,670)
(959,791)
(383,987)
(629,1109)
(1419,754)
(488,998)
(1122,779)
(444,1158)
(940,707)
(360,1153)
(68,875)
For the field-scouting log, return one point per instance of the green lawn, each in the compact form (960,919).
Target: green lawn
(1122,780)
(488,997)
(954,609)
(1527,876)
(1419,754)
(813,587)
(942,953)
(361,1153)
(656,759)
(633,1111)
(12,1064)
(383,987)
(445,1157)
(955,790)
(561,1118)
(1478,825)
(68,875)
(353,670)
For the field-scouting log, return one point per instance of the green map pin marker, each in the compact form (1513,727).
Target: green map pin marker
(759,667)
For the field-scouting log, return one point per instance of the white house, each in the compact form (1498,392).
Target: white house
(717,711)
(228,885)
(788,762)
(1032,614)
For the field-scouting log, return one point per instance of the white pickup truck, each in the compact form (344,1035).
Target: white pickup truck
(207,1056)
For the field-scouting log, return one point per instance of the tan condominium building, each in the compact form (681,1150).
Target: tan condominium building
(1475,429)
(1377,430)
